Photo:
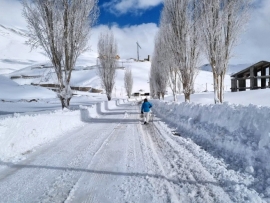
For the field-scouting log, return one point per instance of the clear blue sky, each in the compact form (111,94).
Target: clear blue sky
(109,15)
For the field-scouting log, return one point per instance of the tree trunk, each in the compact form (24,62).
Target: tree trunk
(109,97)
(175,88)
(162,94)
(216,87)
(64,103)
(174,96)
(187,97)
(221,93)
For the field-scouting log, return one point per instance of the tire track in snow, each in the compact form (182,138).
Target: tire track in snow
(131,163)
(126,177)
(136,187)
(70,180)
(105,158)
(61,188)
(172,196)
(187,173)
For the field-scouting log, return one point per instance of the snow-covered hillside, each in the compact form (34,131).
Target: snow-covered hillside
(15,53)
(28,66)
(11,91)
(231,69)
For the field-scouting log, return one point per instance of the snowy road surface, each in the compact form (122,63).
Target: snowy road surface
(114,158)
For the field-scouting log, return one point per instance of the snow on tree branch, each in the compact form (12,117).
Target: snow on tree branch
(61,28)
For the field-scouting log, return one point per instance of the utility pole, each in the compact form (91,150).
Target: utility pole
(138,46)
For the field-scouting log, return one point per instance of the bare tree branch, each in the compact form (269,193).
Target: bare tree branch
(61,28)
(107,50)
(223,21)
(181,32)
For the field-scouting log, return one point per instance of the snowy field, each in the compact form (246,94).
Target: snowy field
(98,151)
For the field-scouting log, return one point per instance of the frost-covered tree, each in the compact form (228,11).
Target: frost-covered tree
(179,86)
(159,74)
(128,80)
(166,61)
(153,93)
(180,19)
(61,28)
(107,50)
(223,21)
(174,79)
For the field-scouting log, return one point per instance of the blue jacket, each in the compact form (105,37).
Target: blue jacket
(146,106)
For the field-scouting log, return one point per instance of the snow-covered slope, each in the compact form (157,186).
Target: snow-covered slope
(10,91)
(15,53)
(231,69)
(26,66)
(85,75)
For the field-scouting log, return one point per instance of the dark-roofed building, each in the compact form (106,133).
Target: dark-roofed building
(257,72)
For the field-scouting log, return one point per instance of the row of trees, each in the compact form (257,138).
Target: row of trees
(107,50)
(188,29)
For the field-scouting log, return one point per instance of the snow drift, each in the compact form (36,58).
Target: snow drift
(243,132)
(20,134)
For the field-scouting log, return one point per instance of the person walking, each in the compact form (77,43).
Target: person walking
(145,110)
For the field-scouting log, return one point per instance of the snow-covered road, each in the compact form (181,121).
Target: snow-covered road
(114,158)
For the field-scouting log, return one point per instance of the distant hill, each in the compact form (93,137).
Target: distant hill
(6,30)
(15,53)
(232,68)
(10,91)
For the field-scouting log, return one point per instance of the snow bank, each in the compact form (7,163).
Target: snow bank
(243,132)
(22,134)
(89,112)
(107,105)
